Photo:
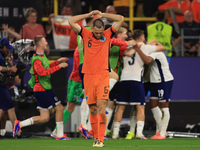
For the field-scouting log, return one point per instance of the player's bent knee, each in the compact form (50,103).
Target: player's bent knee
(59,107)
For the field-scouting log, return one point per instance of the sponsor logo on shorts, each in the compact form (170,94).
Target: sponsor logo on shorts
(86,98)
(55,98)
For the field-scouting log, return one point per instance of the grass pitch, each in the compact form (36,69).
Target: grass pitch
(82,144)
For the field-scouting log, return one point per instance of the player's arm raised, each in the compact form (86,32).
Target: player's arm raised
(117,18)
(74,19)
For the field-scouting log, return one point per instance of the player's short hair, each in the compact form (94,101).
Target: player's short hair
(88,20)
(160,15)
(29,11)
(37,39)
(137,34)
(98,23)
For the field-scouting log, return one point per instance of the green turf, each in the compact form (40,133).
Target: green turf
(82,144)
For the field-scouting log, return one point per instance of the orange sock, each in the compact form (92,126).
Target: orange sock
(102,126)
(94,124)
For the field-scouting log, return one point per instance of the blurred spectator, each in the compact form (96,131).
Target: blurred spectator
(195,6)
(192,29)
(151,6)
(69,38)
(31,28)
(163,32)
(12,34)
(122,6)
(178,6)
(111,9)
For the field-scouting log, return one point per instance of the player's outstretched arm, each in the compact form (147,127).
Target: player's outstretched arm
(74,19)
(145,58)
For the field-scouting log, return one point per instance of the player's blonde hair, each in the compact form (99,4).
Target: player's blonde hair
(121,30)
(37,39)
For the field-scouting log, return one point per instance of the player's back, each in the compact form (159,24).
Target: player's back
(159,68)
(75,72)
(133,66)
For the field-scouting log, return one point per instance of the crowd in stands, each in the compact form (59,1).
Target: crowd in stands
(187,14)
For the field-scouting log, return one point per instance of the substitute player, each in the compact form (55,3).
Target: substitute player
(96,67)
(40,82)
(161,82)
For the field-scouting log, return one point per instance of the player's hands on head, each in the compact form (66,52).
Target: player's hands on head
(99,14)
(63,65)
(63,59)
(95,14)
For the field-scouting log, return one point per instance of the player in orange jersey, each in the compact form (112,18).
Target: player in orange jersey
(96,67)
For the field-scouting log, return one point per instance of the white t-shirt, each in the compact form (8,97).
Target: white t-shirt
(133,66)
(63,34)
(160,63)
(107,22)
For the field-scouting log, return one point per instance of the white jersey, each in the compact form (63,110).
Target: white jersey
(133,66)
(159,68)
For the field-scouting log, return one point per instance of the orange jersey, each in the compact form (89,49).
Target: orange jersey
(196,10)
(185,5)
(96,52)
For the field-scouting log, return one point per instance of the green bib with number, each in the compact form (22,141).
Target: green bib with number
(43,80)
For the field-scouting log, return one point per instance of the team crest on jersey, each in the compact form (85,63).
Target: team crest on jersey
(102,39)
(86,98)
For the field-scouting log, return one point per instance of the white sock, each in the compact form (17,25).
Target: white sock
(2,132)
(157,114)
(116,128)
(109,115)
(26,122)
(133,119)
(111,83)
(84,113)
(59,129)
(140,126)
(164,121)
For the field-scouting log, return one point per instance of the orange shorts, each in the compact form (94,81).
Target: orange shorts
(96,87)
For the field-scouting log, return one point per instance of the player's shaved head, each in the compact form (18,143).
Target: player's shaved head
(98,23)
